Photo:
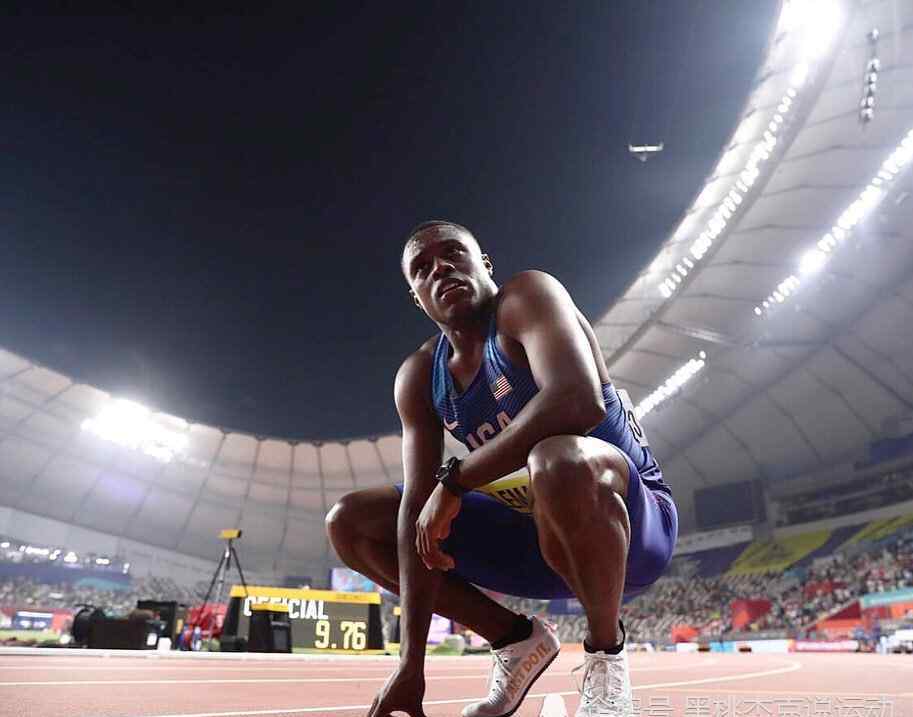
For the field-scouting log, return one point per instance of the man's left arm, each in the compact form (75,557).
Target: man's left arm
(537,311)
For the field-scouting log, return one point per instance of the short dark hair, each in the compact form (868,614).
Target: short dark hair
(430,224)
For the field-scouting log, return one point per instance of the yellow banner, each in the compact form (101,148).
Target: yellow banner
(237,591)
(880,529)
(777,555)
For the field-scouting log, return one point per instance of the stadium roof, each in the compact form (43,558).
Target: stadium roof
(763,368)
(781,302)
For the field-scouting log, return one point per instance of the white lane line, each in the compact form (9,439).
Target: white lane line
(791,667)
(272,680)
(251,668)
(255,667)
(216,681)
(779,691)
(56,653)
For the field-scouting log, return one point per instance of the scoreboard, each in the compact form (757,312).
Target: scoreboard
(322,620)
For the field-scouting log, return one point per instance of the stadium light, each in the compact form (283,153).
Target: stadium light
(816,257)
(671,385)
(71,558)
(812,262)
(815,23)
(130,425)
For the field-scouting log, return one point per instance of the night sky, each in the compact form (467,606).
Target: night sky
(207,214)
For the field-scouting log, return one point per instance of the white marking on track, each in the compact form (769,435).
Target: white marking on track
(207,668)
(216,681)
(272,680)
(788,691)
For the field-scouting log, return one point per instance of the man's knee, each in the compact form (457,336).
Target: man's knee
(560,470)
(570,475)
(369,513)
(341,518)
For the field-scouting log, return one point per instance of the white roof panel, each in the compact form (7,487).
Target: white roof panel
(59,489)
(160,519)
(111,503)
(274,463)
(20,461)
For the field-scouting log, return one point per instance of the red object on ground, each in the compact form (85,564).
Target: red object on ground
(62,620)
(210,621)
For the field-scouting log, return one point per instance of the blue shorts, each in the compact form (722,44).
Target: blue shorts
(496,547)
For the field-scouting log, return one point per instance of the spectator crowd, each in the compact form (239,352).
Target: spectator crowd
(25,593)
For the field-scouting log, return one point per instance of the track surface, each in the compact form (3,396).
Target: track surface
(666,685)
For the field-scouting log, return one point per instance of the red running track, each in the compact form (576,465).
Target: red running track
(665,684)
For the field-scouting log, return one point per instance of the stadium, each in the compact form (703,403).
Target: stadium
(768,360)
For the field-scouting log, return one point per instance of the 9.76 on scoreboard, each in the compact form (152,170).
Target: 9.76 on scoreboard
(321,620)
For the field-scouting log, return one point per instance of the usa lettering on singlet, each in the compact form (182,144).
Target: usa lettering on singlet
(499,392)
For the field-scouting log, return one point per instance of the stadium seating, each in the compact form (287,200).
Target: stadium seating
(27,593)
(802,577)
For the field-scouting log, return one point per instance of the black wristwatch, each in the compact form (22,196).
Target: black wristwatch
(447,476)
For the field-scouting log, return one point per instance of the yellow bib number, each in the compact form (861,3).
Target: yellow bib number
(512,491)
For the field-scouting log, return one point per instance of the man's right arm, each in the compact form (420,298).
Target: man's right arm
(423,445)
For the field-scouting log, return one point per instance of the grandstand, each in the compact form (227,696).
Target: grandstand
(766,346)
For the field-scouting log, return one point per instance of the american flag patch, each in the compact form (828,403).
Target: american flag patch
(500,388)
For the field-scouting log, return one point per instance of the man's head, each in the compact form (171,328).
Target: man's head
(449,276)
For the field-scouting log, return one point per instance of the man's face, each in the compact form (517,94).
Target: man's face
(447,273)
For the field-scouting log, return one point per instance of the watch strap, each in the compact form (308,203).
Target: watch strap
(447,476)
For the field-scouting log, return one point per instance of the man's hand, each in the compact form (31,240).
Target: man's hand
(403,692)
(433,525)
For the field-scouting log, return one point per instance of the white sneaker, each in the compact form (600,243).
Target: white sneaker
(606,687)
(514,670)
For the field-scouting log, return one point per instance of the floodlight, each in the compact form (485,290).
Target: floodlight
(132,426)
(812,261)
(800,73)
